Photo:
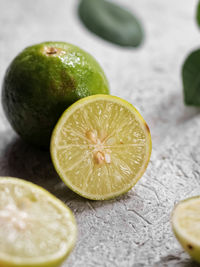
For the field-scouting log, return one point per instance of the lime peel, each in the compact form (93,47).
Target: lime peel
(42,81)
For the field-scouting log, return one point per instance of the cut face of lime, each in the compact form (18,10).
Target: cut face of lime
(36,229)
(186,225)
(101,146)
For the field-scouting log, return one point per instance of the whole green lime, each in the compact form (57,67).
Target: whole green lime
(42,81)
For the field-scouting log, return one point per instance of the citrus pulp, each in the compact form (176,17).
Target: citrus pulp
(101,146)
(185,224)
(36,229)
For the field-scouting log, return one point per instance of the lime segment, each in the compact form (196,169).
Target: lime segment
(185,223)
(101,146)
(36,229)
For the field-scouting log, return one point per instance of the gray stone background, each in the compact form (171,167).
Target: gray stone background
(133,230)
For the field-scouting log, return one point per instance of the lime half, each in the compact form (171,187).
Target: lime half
(186,225)
(36,229)
(101,146)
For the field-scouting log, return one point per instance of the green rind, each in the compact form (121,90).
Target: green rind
(111,22)
(40,263)
(62,118)
(37,88)
(185,243)
(191,79)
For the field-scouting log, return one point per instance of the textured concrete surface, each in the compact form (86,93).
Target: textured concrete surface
(133,230)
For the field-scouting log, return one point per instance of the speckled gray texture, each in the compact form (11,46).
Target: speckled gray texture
(133,230)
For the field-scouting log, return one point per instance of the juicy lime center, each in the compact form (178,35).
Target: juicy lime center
(101,155)
(16,217)
(188,215)
(101,148)
(31,225)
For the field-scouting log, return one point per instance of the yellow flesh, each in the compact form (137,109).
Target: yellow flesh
(33,225)
(186,220)
(101,148)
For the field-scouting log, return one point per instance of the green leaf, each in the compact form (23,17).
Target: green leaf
(191,79)
(198,14)
(111,22)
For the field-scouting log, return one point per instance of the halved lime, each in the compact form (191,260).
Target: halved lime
(186,225)
(36,229)
(101,146)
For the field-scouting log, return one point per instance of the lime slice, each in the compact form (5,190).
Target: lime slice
(101,146)
(36,229)
(186,225)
